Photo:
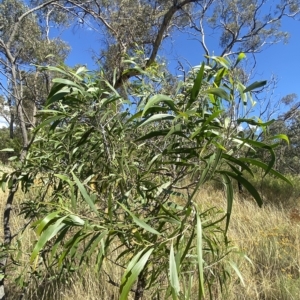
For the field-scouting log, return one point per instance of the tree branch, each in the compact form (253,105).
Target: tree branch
(18,22)
(157,43)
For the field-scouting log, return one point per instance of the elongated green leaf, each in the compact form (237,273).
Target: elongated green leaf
(263,146)
(240,57)
(158,99)
(46,221)
(188,245)
(254,122)
(238,162)
(7,150)
(55,89)
(56,69)
(229,192)
(66,82)
(237,271)
(49,121)
(76,221)
(85,136)
(47,112)
(158,117)
(132,272)
(173,274)
(221,60)
(72,245)
(196,87)
(161,188)
(62,234)
(58,96)
(217,156)
(162,132)
(255,85)
(12,158)
(207,122)
(92,244)
(251,189)
(281,137)
(174,129)
(219,77)
(139,222)
(71,184)
(219,93)
(81,70)
(135,116)
(85,195)
(199,247)
(46,236)
(63,177)
(265,167)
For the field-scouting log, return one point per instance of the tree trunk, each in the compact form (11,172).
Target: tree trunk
(11,125)
(7,235)
(141,284)
(6,216)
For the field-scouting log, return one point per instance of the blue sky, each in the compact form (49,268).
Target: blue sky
(281,60)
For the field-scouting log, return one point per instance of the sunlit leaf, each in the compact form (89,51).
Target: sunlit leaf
(173,275)
(46,236)
(158,99)
(237,271)
(218,92)
(199,247)
(240,57)
(229,192)
(132,272)
(85,195)
(157,118)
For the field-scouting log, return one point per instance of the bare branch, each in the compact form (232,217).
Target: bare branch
(159,37)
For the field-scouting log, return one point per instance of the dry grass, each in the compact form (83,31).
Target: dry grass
(269,236)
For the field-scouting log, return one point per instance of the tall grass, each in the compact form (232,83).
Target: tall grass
(268,236)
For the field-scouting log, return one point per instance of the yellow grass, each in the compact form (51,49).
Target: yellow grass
(269,236)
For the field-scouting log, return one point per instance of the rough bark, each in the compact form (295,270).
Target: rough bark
(7,235)
(141,284)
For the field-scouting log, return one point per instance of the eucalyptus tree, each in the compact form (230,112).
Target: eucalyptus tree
(23,41)
(240,26)
(287,156)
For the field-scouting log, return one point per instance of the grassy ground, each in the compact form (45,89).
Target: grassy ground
(269,236)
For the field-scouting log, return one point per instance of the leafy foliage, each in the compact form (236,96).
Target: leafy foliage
(120,186)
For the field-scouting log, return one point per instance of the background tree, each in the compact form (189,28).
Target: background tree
(241,26)
(288,123)
(22,42)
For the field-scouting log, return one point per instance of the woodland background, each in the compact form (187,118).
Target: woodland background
(131,181)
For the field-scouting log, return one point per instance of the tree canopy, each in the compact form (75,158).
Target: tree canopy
(123,150)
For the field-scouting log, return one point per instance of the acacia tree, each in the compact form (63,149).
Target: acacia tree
(123,185)
(152,23)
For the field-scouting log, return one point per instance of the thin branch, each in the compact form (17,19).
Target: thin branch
(18,24)
(157,43)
